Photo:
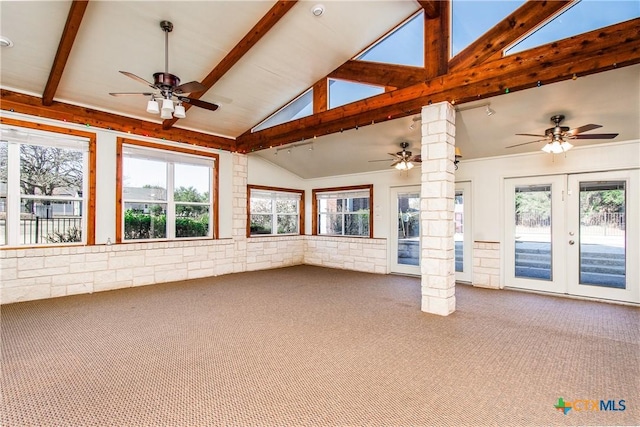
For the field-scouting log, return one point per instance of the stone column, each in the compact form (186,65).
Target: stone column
(239,221)
(437,196)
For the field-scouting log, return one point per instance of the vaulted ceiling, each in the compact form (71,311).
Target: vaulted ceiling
(255,56)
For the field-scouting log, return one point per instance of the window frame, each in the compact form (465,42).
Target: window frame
(170,150)
(89,183)
(301,209)
(316,213)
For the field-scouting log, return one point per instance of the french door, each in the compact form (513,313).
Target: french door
(405,230)
(576,234)
(462,237)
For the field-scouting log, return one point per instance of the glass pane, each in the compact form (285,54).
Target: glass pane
(409,229)
(50,171)
(330,205)
(330,224)
(144,179)
(287,224)
(404,46)
(261,224)
(50,221)
(459,233)
(3,191)
(192,220)
(287,206)
(192,183)
(3,220)
(357,205)
(145,221)
(261,205)
(343,92)
(471,19)
(533,232)
(296,109)
(603,234)
(584,16)
(356,224)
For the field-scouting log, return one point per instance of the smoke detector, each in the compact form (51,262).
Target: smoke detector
(317,10)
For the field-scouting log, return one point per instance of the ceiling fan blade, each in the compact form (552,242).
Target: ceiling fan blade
(525,143)
(198,103)
(584,128)
(131,93)
(530,134)
(382,160)
(596,136)
(395,163)
(417,158)
(137,78)
(189,87)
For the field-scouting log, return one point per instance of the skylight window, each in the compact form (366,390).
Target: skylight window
(471,19)
(300,107)
(343,92)
(402,46)
(585,16)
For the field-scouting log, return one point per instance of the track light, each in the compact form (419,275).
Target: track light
(489,111)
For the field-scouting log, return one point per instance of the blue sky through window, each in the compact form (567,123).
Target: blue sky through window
(472,18)
(404,46)
(342,92)
(585,16)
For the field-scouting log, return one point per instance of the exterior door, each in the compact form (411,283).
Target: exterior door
(405,230)
(534,233)
(575,234)
(462,238)
(603,234)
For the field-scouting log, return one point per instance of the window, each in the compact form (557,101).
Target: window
(275,211)
(344,211)
(581,17)
(44,182)
(471,19)
(343,92)
(300,107)
(166,193)
(404,45)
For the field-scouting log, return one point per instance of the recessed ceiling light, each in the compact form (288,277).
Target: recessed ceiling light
(5,42)
(317,10)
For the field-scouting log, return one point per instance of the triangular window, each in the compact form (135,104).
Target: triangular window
(582,17)
(343,92)
(402,46)
(471,19)
(300,107)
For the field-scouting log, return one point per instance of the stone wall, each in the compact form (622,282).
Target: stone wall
(348,253)
(486,264)
(274,252)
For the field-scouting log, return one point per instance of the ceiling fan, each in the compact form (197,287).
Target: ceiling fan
(402,160)
(168,87)
(557,136)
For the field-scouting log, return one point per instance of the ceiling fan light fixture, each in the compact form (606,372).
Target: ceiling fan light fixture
(152,106)
(180,112)
(557,147)
(165,114)
(167,105)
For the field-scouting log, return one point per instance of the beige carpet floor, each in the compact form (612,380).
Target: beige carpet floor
(311,346)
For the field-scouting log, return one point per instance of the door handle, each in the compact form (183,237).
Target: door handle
(571,242)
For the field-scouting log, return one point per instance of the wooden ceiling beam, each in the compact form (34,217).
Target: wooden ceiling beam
(436,41)
(74,19)
(523,20)
(379,74)
(263,26)
(31,105)
(431,8)
(593,52)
